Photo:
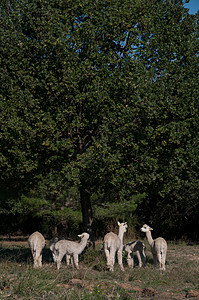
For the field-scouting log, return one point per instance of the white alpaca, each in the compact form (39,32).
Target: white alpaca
(138,247)
(70,248)
(114,243)
(36,243)
(158,247)
(52,243)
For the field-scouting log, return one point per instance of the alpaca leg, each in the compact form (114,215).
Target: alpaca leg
(119,257)
(36,259)
(40,260)
(163,266)
(72,260)
(155,260)
(159,259)
(107,253)
(112,260)
(58,263)
(164,255)
(33,253)
(58,260)
(143,258)
(139,258)
(162,261)
(54,257)
(130,260)
(36,262)
(75,257)
(68,257)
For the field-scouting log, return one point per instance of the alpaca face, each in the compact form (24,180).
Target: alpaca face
(123,226)
(146,228)
(127,248)
(84,235)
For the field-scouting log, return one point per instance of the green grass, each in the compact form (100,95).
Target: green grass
(18,279)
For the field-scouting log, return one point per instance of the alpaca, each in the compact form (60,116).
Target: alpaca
(36,243)
(52,243)
(138,247)
(158,247)
(114,243)
(71,248)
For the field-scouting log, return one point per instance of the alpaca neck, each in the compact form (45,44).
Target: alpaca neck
(149,237)
(83,242)
(121,235)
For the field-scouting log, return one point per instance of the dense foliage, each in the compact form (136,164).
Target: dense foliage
(99,112)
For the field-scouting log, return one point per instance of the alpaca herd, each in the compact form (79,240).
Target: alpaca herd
(113,245)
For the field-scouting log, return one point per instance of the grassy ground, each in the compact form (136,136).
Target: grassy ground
(18,279)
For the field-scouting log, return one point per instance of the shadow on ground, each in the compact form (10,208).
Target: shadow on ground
(23,255)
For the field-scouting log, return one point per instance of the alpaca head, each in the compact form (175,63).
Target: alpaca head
(84,235)
(123,226)
(127,248)
(146,228)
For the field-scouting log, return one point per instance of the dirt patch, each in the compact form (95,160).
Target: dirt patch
(130,287)
(18,243)
(192,257)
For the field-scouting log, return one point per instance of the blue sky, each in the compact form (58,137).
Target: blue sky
(193,6)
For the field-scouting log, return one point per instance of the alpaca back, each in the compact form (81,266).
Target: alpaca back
(159,246)
(112,241)
(70,247)
(36,242)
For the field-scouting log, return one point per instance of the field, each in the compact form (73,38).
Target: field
(18,279)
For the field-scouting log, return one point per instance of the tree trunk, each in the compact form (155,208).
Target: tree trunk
(54,232)
(87,214)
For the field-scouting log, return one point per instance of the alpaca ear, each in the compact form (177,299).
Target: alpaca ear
(118,223)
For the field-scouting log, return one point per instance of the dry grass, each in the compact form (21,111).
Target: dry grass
(18,280)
